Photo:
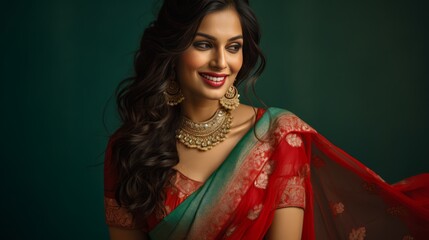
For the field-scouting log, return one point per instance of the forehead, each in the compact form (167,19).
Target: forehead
(221,24)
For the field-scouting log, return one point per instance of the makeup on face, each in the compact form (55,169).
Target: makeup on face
(210,65)
(214,79)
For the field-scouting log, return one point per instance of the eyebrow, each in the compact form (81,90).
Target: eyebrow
(213,38)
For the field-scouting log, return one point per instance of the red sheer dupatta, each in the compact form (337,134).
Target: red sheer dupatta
(343,198)
(352,202)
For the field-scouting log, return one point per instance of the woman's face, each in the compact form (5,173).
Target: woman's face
(210,65)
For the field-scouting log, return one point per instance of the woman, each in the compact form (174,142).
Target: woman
(190,162)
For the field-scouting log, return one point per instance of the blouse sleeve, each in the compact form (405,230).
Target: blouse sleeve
(294,172)
(116,216)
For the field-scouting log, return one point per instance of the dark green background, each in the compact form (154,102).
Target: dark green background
(355,71)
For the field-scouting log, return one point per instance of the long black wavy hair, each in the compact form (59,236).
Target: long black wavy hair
(144,147)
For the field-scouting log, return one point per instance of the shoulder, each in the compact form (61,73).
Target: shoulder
(288,121)
(282,122)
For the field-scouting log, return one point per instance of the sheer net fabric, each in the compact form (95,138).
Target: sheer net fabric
(352,202)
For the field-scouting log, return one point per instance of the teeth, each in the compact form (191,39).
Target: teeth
(215,79)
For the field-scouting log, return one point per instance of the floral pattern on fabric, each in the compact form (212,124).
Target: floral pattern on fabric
(294,193)
(179,189)
(337,208)
(262,180)
(337,165)
(370,187)
(294,140)
(183,186)
(244,177)
(290,123)
(397,211)
(358,234)
(248,171)
(260,156)
(254,212)
(230,231)
(118,216)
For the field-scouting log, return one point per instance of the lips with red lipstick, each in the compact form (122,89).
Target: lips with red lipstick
(214,79)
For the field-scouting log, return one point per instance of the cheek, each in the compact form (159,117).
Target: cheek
(191,60)
(237,63)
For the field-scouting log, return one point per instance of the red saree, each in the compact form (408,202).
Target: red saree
(293,167)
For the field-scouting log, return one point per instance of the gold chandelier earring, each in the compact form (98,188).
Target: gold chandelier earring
(230,100)
(173,95)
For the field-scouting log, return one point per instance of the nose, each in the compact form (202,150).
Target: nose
(219,60)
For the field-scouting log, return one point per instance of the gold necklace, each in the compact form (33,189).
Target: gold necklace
(205,135)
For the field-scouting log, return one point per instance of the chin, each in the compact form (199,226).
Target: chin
(215,96)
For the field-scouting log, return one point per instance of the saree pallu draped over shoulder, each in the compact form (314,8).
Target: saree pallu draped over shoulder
(288,164)
(239,198)
(343,199)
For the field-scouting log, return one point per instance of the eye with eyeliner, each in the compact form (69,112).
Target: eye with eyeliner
(202,45)
(235,47)
(205,45)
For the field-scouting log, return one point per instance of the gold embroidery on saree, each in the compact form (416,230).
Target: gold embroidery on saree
(358,234)
(397,211)
(290,123)
(117,216)
(370,187)
(294,140)
(230,230)
(236,188)
(262,180)
(184,185)
(294,193)
(337,208)
(254,212)
(246,175)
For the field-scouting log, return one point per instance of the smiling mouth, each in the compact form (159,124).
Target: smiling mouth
(213,79)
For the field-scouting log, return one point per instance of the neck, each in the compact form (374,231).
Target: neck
(199,112)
